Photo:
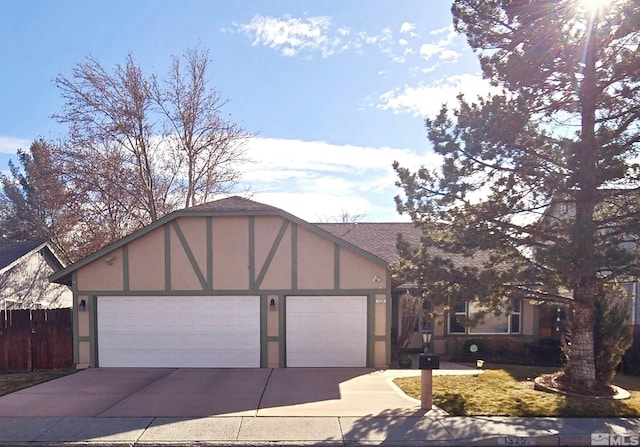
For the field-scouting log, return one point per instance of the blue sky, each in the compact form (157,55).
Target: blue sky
(335,90)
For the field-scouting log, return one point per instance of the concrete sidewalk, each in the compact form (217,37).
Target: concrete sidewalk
(393,429)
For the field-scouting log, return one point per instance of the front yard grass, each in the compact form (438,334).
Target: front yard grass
(507,390)
(14,381)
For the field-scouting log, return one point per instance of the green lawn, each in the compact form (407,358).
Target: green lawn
(507,390)
(14,381)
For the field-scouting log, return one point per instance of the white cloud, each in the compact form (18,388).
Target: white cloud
(448,28)
(291,35)
(426,100)
(428,50)
(316,180)
(319,207)
(407,27)
(447,54)
(441,49)
(10,145)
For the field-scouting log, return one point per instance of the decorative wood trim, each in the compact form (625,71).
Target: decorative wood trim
(125,267)
(263,331)
(252,254)
(167,258)
(271,254)
(336,266)
(189,253)
(294,256)
(209,242)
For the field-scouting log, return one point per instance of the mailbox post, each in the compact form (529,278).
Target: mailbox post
(427,362)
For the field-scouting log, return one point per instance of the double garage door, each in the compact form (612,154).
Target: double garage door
(224,331)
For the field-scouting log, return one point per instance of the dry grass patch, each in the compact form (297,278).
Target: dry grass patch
(507,390)
(14,381)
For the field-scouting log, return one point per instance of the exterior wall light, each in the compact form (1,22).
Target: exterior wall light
(82,306)
(272,304)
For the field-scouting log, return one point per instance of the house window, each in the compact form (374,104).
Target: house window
(489,323)
(457,318)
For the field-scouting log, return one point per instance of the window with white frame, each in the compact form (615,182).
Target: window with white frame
(488,323)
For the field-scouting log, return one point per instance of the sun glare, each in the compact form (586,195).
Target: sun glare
(594,5)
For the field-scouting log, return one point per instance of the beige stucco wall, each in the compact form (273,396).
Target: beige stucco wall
(84,354)
(230,253)
(230,270)
(147,261)
(315,255)
(102,274)
(380,354)
(273,316)
(83,317)
(315,261)
(380,318)
(357,272)
(273,354)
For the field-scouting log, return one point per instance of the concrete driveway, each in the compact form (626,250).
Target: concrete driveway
(160,392)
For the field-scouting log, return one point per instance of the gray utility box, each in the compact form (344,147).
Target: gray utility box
(429,361)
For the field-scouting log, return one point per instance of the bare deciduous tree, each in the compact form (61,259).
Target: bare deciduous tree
(139,147)
(205,145)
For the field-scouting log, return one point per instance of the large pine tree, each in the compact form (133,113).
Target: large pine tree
(565,129)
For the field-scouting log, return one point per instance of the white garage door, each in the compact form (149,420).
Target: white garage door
(215,332)
(326,331)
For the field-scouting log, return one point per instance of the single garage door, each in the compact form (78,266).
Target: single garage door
(326,331)
(212,331)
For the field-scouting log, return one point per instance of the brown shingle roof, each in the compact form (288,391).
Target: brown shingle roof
(376,238)
(233,203)
(380,239)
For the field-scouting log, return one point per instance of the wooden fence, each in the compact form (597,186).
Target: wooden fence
(36,339)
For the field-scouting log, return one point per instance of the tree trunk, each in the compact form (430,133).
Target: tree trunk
(580,369)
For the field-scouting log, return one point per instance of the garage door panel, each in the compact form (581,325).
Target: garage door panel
(179,331)
(326,331)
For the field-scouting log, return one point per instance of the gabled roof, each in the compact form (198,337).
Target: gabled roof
(12,252)
(378,238)
(231,206)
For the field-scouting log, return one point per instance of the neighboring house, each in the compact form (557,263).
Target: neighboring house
(231,283)
(24,271)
